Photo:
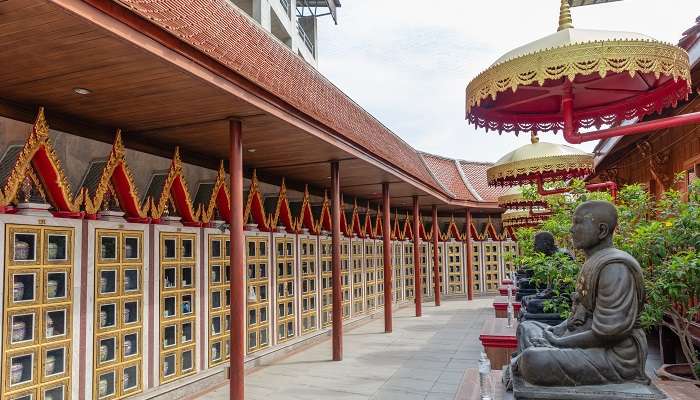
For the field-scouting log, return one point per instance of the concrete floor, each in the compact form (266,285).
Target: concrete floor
(424,358)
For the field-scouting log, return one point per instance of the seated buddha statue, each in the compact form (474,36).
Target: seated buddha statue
(601,343)
(543,243)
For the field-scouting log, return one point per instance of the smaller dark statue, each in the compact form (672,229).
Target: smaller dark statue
(602,342)
(531,296)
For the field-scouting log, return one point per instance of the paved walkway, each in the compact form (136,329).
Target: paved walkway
(424,358)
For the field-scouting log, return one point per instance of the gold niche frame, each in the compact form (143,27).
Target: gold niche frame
(326,258)
(178,333)
(455,281)
(379,265)
(358,278)
(118,333)
(397,259)
(370,277)
(258,292)
(219,295)
(308,252)
(345,275)
(286,287)
(409,271)
(37,354)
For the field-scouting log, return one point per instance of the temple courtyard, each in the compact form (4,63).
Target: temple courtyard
(424,358)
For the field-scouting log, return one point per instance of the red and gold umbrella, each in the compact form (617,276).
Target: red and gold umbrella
(524,218)
(513,199)
(539,163)
(581,78)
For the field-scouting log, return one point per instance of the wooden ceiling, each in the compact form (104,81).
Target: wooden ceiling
(47,52)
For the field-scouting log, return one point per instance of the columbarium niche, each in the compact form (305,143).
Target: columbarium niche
(38,307)
(177,305)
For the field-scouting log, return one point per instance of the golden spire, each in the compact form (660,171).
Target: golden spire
(533,137)
(565,21)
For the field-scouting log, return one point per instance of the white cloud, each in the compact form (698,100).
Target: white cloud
(408,63)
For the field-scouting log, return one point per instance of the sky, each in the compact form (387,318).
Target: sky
(408,62)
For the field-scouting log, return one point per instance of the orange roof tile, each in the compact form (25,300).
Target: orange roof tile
(475,174)
(448,174)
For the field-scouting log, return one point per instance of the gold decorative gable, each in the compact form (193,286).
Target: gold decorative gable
(39,162)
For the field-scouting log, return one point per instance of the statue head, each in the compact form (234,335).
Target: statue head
(544,243)
(593,225)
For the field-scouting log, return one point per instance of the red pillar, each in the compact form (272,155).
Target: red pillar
(238,292)
(337,313)
(418,285)
(436,260)
(386,231)
(470,257)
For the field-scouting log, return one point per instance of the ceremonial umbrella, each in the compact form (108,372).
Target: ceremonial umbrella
(524,218)
(581,78)
(539,162)
(513,199)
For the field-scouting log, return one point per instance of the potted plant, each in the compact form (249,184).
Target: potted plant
(673,285)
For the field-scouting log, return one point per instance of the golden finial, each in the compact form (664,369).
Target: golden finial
(533,138)
(40,130)
(118,144)
(565,21)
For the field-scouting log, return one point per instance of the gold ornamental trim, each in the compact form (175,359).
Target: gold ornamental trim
(116,157)
(38,139)
(208,213)
(601,57)
(551,168)
(158,207)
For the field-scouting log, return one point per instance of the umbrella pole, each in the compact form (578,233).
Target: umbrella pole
(572,135)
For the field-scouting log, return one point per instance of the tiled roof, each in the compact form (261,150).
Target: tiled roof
(447,173)
(222,32)
(475,174)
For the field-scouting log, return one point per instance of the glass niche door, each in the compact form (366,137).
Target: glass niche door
(309,283)
(285,280)
(219,307)
(118,324)
(38,307)
(177,305)
(258,299)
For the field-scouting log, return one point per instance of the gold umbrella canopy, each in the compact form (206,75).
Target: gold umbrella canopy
(518,218)
(514,199)
(611,77)
(540,162)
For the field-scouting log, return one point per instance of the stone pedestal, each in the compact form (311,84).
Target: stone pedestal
(500,306)
(498,340)
(503,290)
(624,391)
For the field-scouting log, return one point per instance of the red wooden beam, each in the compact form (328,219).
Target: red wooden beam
(436,260)
(469,255)
(418,284)
(238,292)
(337,312)
(388,298)
(572,135)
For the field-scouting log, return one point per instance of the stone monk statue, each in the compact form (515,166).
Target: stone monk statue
(601,343)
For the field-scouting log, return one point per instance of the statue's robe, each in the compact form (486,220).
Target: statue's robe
(608,301)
